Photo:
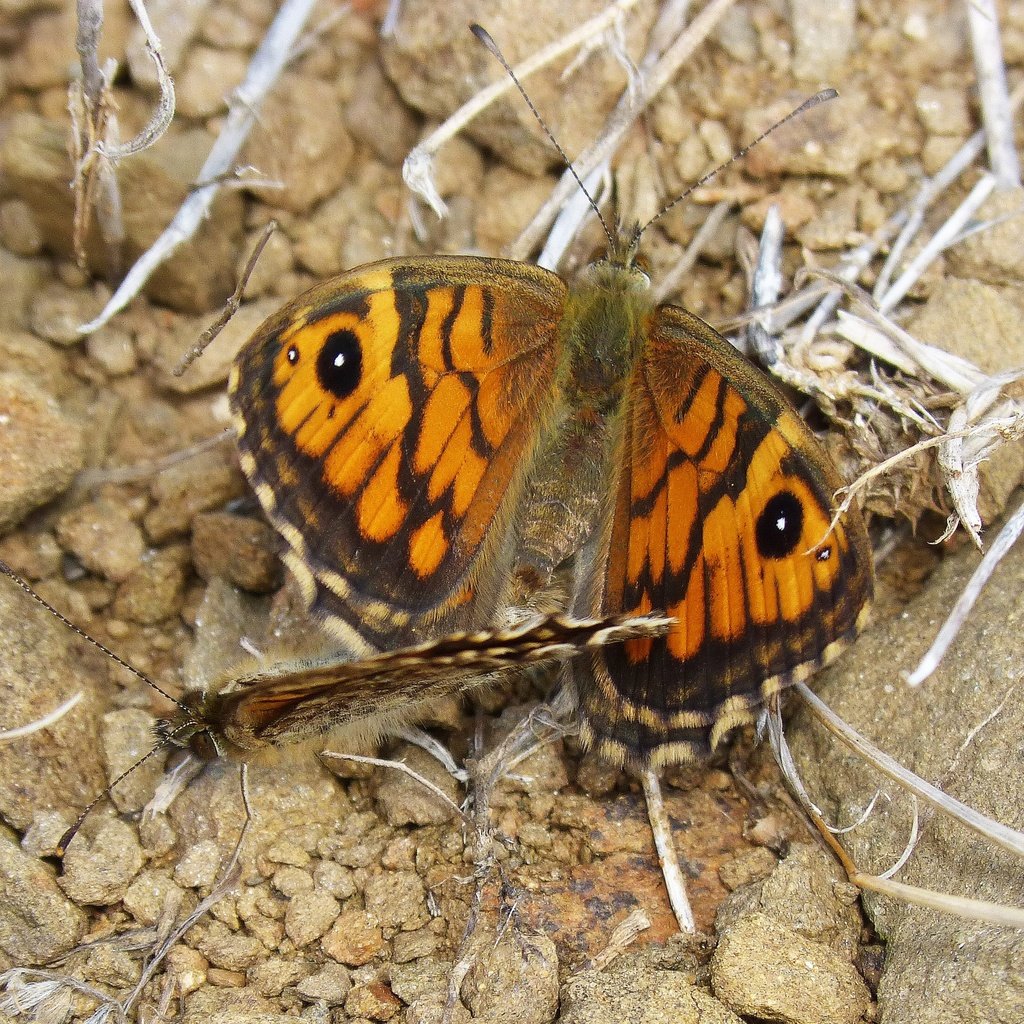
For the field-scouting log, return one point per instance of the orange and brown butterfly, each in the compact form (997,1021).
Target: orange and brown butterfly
(449,442)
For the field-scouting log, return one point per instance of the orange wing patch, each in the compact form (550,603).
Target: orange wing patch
(721,519)
(404,401)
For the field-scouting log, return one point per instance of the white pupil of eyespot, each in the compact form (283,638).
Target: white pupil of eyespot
(780,524)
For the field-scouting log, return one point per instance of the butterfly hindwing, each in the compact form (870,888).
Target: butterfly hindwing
(720,519)
(386,420)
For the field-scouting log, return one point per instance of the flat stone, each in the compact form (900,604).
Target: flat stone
(41,449)
(764,969)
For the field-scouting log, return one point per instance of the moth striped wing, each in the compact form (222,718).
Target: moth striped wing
(721,520)
(294,701)
(386,420)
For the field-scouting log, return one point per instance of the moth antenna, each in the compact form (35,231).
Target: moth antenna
(39,599)
(65,839)
(813,101)
(485,37)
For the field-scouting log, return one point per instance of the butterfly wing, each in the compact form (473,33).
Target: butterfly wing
(721,520)
(386,421)
(294,701)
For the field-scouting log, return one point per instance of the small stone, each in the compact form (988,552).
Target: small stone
(224,948)
(377,117)
(397,900)
(334,878)
(273,976)
(747,867)
(835,224)
(994,255)
(112,350)
(188,969)
(207,79)
(943,111)
(641,996)
(355,939)
(330,985)
(763,969)
(202,483)
(103,538)
(241,549)
(596,776)
(408,946)
(374,1001)
(127,736)
(310,154)
(824,35)
(309,915)
(833,139)
(18,229)
(155,591)
(404,801)
(198,866)
(291,882)
(41,449)
(23,353)
(515,982)
(225,979)
(149,896)
(21,279)
(57,313)
(99,872)
(37,921)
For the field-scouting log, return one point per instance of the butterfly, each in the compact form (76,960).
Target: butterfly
(446,443)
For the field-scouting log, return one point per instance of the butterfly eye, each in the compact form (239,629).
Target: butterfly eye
(339,366)
(780,525)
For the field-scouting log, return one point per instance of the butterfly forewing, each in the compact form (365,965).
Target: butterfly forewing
(721,519)
(386,420)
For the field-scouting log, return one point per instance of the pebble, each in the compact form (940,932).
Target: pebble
(19,232)
(309,916)
(330,985)
(240,549)
(205,482)
(155,590)
(198,865)
(207,80)
(311,154)
(275,974)
(405,801)
(22,277)
(355,939)
(763,969)
(374,1001)
(103,538)
(641,996)
(994,255)
(397,900)
(126,737)
(37,921)
(41,449)
(514,981)
(150,894)
(824,36)
(99,871)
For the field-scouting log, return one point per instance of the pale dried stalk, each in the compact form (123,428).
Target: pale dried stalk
(266,65)
(417,171)
(44,722)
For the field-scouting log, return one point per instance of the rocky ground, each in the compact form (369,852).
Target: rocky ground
(356,883)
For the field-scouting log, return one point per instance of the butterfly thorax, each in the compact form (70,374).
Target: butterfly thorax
(603,330)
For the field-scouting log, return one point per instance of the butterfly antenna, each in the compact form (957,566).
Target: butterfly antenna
(813,101)
(485,37)
(65,839)
(39,599)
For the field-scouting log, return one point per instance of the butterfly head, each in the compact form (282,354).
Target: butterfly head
(190,730)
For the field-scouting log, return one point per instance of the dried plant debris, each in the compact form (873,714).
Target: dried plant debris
(867,254)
